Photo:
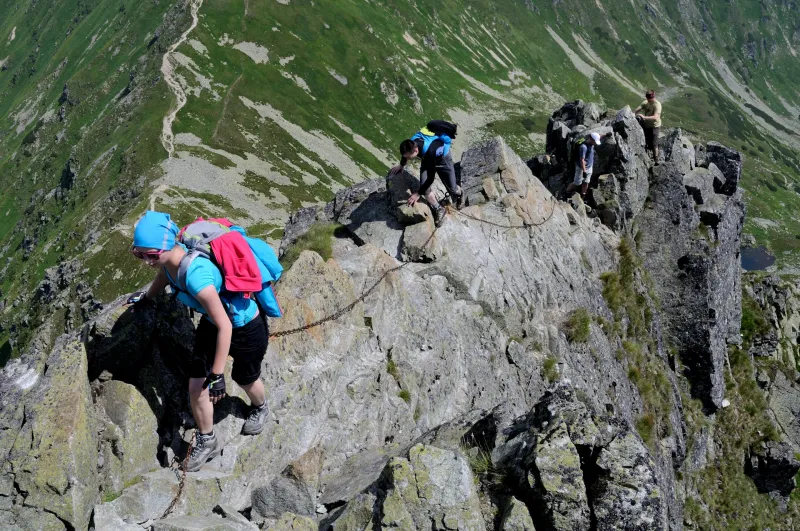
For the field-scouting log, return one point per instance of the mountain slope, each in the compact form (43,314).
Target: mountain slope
(523,366)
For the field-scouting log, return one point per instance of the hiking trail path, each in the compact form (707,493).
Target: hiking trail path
(167,70)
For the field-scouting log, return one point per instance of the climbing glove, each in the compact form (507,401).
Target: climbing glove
(216,385)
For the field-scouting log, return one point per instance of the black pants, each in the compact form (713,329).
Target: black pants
(248,346)
(447,173)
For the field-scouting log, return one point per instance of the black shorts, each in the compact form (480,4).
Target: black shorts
(651,135)
(248,346)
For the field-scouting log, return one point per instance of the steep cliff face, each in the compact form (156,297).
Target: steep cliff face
(770,325)
(526,365)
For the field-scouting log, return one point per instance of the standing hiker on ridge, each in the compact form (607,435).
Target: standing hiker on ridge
(584,161)
(432,145)
(648,113)
(233,322)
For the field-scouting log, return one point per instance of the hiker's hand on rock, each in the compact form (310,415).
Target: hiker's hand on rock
(413,199)
(395,170)
(216,387)
(139,301)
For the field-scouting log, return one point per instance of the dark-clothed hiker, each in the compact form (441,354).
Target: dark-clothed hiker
(584,162)
(649,115)
(432,145)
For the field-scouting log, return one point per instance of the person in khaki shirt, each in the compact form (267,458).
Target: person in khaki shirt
(649,116)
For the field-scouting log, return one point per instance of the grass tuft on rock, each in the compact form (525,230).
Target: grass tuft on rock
(578,326)
(391,368)
(645,426)
(550,368)
(754,322)
(319,239)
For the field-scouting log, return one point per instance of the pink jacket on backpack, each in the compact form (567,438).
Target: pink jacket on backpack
(236,260)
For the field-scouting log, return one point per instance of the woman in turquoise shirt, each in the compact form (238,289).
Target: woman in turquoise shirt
(231,325)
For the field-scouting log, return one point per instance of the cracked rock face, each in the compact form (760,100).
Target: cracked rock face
(432,402)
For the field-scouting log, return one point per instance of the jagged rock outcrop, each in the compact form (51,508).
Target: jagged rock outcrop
(729,161)
(50,462)
(433,402)
(687,215)
(701,296)
(773,468)
(580,470)
(779,300)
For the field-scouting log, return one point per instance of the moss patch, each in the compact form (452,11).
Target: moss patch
(318,239)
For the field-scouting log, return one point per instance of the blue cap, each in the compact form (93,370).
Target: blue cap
(155,230)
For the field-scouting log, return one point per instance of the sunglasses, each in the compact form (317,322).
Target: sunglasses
(149,255)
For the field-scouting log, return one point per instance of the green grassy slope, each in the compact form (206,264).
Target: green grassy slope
(287,103)
(406,62)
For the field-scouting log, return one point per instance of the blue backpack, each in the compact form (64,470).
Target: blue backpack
(271,271)
(436,130)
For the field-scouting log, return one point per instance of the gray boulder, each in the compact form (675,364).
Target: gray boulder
(129,438)
(700,155)
(194,523)
(54,453)
(626,494)
(679,150)
(717,176)
(729,161)
(699,184)
(430,489)
(516,517)
(293,491)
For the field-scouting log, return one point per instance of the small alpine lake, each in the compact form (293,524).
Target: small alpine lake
(756,258)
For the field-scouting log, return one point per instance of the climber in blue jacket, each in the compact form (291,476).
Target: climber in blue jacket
(432,145)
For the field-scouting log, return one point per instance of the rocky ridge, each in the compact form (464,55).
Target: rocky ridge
(516,374)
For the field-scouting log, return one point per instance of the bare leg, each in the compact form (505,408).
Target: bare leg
(431,197)
(202,408)
(255,391)
(655,154)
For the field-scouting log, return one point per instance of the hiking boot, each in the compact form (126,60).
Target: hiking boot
(206,447)
(460,201)
(438,215)
(256,419)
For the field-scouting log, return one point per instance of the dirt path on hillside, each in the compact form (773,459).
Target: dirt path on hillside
(168,70)
(224,107)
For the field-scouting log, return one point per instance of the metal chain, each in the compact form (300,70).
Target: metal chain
(365,294)
(503,226)
(182,478)
(353,304)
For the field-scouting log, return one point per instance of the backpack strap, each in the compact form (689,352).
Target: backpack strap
(183,268)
